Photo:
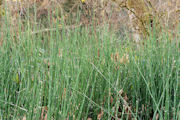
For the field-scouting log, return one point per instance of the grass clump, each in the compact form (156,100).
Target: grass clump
(86,72)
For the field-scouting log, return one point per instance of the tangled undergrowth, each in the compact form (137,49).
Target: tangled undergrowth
(140,18)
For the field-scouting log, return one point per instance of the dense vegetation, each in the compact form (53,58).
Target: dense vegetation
(65,69)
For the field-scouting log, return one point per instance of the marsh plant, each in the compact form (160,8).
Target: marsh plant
(63,70)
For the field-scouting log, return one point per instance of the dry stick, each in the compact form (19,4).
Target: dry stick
(14,105)
(53,29)
(143,24)
(126,7)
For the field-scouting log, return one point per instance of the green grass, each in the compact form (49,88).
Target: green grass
(71,72)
